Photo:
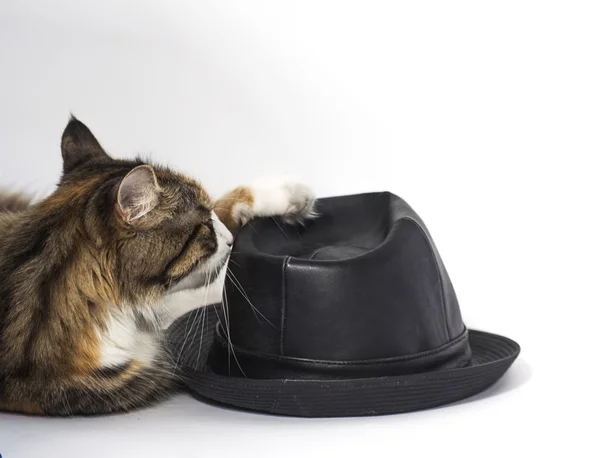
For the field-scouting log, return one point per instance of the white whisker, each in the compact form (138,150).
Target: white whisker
(230,348)
(187,335)
(210,280)
(280,228)
(201,337)
(239,287)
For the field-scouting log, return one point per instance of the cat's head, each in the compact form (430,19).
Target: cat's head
(145,229)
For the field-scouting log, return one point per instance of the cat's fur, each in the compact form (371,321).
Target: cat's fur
(90,276)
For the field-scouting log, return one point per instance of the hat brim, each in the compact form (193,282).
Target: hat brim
(492,355)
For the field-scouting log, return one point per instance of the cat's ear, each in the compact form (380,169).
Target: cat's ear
(138,193)
(79,145)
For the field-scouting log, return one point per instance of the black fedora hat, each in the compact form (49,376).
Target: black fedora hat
(352,314)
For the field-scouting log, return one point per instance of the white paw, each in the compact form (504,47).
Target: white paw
(293,201)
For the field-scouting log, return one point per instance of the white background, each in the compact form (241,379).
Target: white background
(484,116)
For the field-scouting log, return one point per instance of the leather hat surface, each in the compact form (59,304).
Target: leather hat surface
(352,314)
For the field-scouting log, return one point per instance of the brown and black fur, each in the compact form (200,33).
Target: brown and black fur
(67,260)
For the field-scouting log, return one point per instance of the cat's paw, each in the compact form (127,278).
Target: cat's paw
(289,199)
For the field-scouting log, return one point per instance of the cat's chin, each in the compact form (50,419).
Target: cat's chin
(203,276)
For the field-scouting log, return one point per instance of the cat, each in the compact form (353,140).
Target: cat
(91,276)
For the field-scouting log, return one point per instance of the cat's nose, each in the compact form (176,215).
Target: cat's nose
(222,231)
(228,236)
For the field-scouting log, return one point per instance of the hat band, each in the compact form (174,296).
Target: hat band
(235,361)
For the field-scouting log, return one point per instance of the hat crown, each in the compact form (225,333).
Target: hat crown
(361,285)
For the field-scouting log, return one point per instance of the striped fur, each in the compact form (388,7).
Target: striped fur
(13,202)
